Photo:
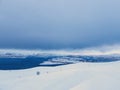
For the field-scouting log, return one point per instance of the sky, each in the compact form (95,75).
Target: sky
(59,24)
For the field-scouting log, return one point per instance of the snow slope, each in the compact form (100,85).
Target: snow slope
(80,76)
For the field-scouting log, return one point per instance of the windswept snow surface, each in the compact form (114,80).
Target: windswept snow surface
(80,76)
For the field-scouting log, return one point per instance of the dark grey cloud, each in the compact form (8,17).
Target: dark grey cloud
(52,24)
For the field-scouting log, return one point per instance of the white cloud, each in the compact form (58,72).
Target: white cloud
(101,50)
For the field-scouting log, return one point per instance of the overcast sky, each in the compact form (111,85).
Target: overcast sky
(58,24)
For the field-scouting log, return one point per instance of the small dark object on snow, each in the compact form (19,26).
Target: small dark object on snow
(38,73)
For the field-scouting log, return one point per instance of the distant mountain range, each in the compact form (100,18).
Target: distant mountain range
(12,61)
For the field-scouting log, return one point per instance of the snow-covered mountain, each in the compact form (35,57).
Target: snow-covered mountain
(24,59)
(35,70)
(80,76)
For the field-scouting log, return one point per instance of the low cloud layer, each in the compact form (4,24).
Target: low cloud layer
(101,50)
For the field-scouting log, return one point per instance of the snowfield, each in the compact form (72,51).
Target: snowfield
(80,76)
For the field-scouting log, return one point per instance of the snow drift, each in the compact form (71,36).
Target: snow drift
(81,76)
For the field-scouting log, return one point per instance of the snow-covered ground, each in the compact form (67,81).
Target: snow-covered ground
(80,76)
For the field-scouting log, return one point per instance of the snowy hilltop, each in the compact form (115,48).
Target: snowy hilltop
(80,76)
(59,70)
